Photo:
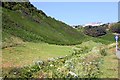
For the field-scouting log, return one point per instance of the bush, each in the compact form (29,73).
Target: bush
(80,50)
(115,28)
(103,51)
(95,31)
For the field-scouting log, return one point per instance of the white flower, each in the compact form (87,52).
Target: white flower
(83,63)
(87,64)
(72,73)
(60,57)
(90,62)
(58,69)
(72,66)
(51,65)
(66,65)
(51,59)
(40,62)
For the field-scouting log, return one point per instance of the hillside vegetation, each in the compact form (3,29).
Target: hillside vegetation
(104,33)
(95,31)
(25,22)
(85,61)
(115,28)
(38,46)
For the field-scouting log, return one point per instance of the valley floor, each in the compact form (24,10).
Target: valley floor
(28,53)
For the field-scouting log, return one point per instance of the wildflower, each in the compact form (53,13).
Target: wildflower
(72,73)
(40,62)
(99,62)
(72,66)
(51,65)
(61,57)
(66,65)
(15,73)
(51,59)
(58,69)
(83,63)
(87,64)
(90,62)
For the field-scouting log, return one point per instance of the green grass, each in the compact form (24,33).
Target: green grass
(48,30)
(24,55)
(88,58)
(29,52)
(33,39)
(110,65)
(105,39)
(109,37)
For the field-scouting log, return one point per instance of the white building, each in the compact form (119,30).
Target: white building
(94,24)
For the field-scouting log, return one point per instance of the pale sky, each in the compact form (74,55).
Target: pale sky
(75,13)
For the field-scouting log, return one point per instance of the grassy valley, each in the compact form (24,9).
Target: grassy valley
(80,61)
(29,35)
(35,45)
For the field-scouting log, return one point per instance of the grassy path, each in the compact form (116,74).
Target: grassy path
(110,65)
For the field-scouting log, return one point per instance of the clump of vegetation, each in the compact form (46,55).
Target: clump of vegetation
(115,28)
(95,31)
(103,51)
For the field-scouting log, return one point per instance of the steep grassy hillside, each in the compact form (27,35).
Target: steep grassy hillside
(25,22)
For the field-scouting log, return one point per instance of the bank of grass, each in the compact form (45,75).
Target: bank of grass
(29,52)
(107,39)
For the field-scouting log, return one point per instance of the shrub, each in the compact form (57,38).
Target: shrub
(115,28)
(95,31)
(103,51)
